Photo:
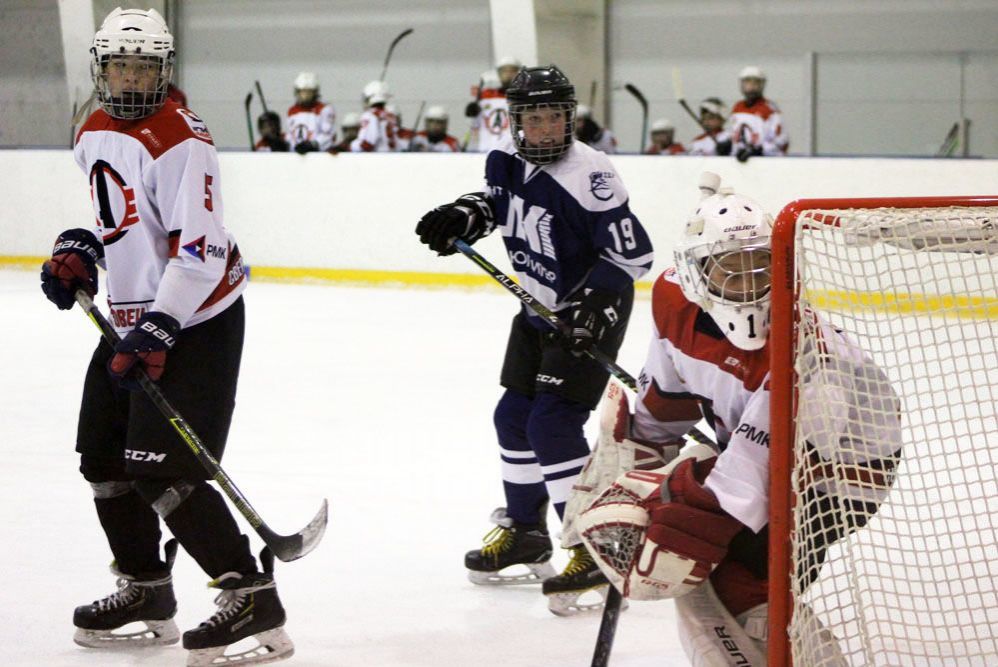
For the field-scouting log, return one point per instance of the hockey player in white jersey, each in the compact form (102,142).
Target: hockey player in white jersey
(663,134)
(378,127)
(577,248)
(434,138)
(715,140)
(699,524)
(489,113)
(174,286)
(311,122)
(756,122)
(589,132)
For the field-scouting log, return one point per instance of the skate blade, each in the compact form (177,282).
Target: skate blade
(536,573)
(272,645)
(575,603)
(155,633)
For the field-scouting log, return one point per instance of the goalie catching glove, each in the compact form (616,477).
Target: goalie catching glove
(658,535)
(469,219)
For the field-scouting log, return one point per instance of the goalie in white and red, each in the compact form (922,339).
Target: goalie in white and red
(695,530)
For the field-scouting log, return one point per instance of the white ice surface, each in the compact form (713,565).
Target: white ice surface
(380,400)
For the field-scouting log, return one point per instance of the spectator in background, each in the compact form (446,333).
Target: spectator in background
(434,137)
(588,131)
(756,123)
(715,140)
(662,134)
(489,112)
(350,127)
(311,123)
(268,124)
(378,131)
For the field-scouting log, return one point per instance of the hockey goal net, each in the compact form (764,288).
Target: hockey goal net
(880,558)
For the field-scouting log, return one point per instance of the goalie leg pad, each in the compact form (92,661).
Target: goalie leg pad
(710,635)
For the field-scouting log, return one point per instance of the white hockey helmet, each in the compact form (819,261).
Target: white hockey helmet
(437,112)
(352,119)
(713,105)
(490,80)
(306,81)
(662,125)
(140,35)
(723,263)
(508,61)
(376,92)
(583,111)
(752,72)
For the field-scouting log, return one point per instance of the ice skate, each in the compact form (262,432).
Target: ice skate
(581,587)
(248,606)
(148,600)
(509,545)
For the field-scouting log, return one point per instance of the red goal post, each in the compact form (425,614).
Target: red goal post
(795,219)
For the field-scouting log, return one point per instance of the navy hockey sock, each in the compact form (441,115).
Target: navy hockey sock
(523,482)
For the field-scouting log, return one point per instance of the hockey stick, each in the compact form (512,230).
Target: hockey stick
(478,100)
(391,47)
(249,120)
(677,88)
(950,142)
(415,128)
(285,547)
(263,101)
(607,628)
(633,90)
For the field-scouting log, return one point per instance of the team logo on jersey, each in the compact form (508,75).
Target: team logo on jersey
(114,202)
(599,185)
(197,125)
(496,121)
(196,248)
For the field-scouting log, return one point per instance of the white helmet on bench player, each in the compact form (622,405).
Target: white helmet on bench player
(723,263)
(132,62)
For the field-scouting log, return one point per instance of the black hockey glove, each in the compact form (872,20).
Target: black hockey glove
(469,219)
(473,109)
(724,147)
(745,152)
(591,319)
(306,147)
(73,266)
(145,346)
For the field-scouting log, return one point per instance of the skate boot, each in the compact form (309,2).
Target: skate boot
(148,600)
(581,587)
(248,606)
(510,544)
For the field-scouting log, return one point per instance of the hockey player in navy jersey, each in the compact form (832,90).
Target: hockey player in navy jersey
(174,287)
(576,246)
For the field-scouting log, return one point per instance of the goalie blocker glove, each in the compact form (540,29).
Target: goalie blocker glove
(469,218)
(73,266)
(146,345)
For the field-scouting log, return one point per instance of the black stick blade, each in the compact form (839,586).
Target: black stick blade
(292,547)
(607,629)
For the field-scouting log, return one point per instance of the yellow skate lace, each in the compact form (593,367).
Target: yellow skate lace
(580,562)
(497,540)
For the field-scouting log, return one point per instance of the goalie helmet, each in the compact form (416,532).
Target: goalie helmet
(723,264)
(541,89)
(132,62)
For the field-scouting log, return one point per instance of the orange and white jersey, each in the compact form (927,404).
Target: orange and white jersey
(705,145)
(156,193)
(692,371)
(378,132)
(758,124)
(316,122)
(671,149)
(447,144)
(491,126)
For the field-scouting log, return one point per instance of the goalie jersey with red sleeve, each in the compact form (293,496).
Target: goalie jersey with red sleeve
(693,371)
(155,188)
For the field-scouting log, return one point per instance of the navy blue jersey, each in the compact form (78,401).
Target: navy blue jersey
(566,225)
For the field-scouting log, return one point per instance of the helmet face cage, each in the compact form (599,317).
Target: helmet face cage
(131,85)
(541,154)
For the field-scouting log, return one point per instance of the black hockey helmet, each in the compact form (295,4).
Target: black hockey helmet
(535,88)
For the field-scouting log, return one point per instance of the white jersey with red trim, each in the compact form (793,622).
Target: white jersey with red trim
(491,126)
(758,124)
(705,145)
(693,371)
(156,192)
(421,143)
(316,122)
(378,132)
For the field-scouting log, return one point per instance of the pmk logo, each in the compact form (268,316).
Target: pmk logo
(114,202)
(197,125)
(196,248)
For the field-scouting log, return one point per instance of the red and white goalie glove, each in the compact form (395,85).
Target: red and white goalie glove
(658,535)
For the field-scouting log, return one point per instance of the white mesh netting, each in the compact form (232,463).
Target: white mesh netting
(896,498)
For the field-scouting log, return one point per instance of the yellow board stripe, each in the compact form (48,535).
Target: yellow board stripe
(957,306)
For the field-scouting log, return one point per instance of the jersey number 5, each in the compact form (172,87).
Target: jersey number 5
(623,235)
(207,193)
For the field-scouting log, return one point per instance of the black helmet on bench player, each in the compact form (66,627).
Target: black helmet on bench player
(538,89)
